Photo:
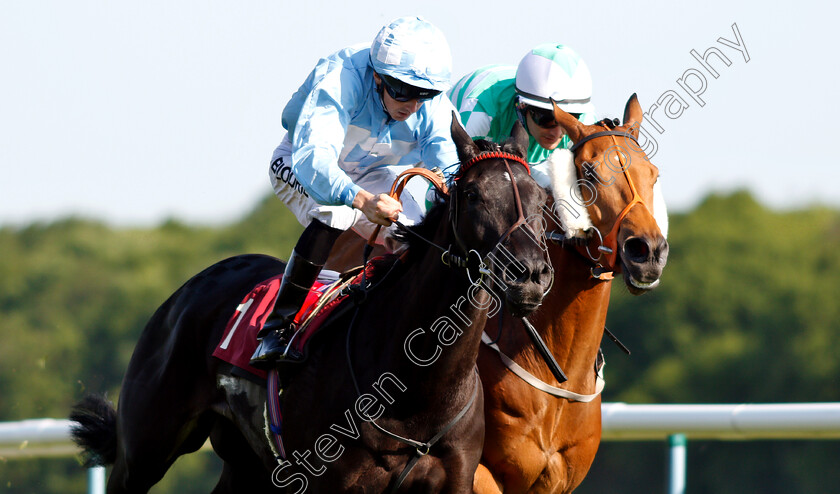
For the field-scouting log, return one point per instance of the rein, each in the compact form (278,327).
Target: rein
(471,260)
(435,177)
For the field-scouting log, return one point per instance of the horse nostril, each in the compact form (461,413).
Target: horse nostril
(543,275)
(661,251)
(527,272)
(636,249)
(537,272)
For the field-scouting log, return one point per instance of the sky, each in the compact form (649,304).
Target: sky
(133,113)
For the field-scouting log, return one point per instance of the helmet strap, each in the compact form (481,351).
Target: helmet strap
(519,108)
(380,90)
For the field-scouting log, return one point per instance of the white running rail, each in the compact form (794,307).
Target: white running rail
(620,422)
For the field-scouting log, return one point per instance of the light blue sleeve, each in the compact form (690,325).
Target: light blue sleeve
(319,131)
(437,146)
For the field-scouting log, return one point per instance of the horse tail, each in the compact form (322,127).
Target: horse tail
(96,430)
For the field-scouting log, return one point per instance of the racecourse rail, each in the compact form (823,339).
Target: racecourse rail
(620,422)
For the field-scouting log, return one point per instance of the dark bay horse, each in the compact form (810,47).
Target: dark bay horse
(400,367)
(538,442)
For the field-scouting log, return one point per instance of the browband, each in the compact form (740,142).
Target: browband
(604,133)
(495,154)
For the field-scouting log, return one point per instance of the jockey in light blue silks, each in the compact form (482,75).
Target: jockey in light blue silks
(364,114)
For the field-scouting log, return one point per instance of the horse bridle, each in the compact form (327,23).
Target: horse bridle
(608,248)
(471,260)
(521,220)
(603,271)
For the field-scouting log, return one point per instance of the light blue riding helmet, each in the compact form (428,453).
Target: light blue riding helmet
(413,51)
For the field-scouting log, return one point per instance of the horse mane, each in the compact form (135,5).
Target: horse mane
(425,229)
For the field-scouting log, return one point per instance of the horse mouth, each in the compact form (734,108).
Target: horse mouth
(642,285)
(635,285)
(523,309)
(523,300)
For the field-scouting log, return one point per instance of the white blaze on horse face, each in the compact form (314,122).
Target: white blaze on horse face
(660,212)
(506,176)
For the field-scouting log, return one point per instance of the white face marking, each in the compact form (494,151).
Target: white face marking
(507,176)
(660,212)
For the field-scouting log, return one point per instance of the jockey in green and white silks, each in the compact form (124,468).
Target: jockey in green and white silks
(492,98)
(363,115)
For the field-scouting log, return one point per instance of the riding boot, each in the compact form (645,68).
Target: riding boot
(275,334)
(308,257)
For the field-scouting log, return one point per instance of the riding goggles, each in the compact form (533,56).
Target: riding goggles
(403,92)
(545,118)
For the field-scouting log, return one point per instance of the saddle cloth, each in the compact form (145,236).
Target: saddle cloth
(239,340)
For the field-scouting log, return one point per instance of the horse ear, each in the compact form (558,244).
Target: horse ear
(519,135)
(518,142)
(570,124)
(633,115)
(467,149)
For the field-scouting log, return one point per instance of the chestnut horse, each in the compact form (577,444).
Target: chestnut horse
(388,398)
(544,440)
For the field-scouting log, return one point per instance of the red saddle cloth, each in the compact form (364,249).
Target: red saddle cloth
(239,340)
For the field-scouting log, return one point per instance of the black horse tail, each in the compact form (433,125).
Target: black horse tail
(96,430)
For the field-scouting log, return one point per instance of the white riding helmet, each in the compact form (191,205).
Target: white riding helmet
(413,51)
(552,71)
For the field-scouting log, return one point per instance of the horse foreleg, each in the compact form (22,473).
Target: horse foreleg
(484,483)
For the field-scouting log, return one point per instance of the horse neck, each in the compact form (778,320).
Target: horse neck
(434,303)
(573,314)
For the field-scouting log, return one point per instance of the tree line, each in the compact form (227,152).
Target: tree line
(746,313)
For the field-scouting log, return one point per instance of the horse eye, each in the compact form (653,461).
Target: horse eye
(471,196)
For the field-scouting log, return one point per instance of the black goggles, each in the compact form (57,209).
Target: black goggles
(403,92)
(545,118)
